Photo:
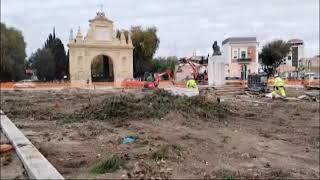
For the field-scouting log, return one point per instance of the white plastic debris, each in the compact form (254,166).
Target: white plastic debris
(269,95)
(183,91)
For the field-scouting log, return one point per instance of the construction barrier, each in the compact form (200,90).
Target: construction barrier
(287,82)
(312,83)
(7,85)
(133,84)
(136,84)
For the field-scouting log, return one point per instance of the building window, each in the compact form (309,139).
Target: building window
(289,57)
(235,54)
(243,54)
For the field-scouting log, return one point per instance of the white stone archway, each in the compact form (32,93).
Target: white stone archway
(100,40)
(102,69)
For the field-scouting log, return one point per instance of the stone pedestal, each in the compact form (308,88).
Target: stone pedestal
(216,71)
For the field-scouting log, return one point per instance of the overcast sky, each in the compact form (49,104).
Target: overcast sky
(184,26)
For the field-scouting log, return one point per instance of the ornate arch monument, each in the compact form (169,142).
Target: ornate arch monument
(100,45)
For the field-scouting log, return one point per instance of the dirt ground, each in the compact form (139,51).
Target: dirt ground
(259,138)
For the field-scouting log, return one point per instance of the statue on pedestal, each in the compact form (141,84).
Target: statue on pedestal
(216,49)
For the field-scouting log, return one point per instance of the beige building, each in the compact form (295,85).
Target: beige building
(311,64)
(100,55)
(241,56)
(290,67)
(295,54)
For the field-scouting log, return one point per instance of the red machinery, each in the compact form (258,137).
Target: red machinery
(157,78)
(195,72)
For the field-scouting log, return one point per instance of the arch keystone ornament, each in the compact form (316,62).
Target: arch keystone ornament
(100,41)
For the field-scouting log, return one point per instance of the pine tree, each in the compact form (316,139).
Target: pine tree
(58,63)
(50,42)
(60,59)
(44,64)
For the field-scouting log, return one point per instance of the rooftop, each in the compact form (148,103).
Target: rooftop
(100,16)
(294,41)
(240,40)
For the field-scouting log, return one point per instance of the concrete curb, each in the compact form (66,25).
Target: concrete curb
(36,165)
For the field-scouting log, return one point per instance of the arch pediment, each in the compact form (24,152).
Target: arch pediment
(100,29)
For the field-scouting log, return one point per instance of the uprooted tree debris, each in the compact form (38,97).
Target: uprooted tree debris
(154,105)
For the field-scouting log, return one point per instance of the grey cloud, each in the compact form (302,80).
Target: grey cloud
(185,26)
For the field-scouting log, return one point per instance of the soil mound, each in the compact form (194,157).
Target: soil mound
(154,105)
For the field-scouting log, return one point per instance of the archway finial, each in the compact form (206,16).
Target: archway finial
(100,12)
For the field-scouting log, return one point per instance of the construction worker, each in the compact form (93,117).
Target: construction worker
(192,84)
(278,87)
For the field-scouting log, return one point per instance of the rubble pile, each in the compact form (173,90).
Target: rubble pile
(154,105)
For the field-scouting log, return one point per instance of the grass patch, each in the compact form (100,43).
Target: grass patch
(154,105)
(108,166)
(227,177)
(164,151)
(225,174)
(316,141)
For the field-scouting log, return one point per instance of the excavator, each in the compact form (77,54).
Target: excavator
(199,74)
(156,79)
(175,91)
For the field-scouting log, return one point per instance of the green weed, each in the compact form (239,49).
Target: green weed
(109,166)
(163,152)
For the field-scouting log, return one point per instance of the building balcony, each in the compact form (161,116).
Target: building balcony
(244,60)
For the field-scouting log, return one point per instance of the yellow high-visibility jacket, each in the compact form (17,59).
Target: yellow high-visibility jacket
(278,82)
(278,87)
(191,84)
